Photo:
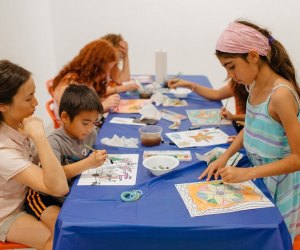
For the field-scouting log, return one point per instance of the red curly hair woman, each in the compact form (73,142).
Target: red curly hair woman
(90,67)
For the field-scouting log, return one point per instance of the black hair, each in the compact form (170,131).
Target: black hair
(12,77)
(78,98)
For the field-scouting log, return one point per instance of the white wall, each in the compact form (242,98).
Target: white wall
(26,39)
(43,35)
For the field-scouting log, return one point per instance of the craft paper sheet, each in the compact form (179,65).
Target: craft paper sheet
(214,197)
(200,137)
(215,153)
(171,116)
(118,169)
(126,121)
(205,117)
(131,106)
(181,155)
(173,102)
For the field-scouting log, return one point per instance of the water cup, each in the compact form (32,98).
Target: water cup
(150,135)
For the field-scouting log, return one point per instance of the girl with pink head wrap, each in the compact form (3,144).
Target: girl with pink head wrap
(251,56)
(239,38)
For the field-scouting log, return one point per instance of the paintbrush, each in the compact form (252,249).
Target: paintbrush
(176,78)
(235,159)
(173,79)
(221,118)
(178,75)
(232,164)
(92,149)
(89,147)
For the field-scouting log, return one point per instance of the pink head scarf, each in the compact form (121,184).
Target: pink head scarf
(239,38)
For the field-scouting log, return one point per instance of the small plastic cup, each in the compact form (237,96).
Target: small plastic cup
(150,135)
(145,94)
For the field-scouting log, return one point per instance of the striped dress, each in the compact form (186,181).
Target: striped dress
(265,141)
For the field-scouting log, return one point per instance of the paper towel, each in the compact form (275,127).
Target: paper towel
(161,75)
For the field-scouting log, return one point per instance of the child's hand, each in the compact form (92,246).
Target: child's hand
(111,101)
(32,127)
(132,87)
(97,158)
(123,48)
(225,113)
(235,175)
(241,123)
(174,83)
(231,138)
(214,169)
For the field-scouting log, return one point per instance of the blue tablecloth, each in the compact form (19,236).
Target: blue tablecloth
(94,217)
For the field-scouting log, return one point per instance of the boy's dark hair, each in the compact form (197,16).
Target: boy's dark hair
(78,98)
(12,77)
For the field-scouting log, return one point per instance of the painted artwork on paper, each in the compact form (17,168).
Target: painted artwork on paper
(173,102)
(181,155)
(171,116)
(215,197)
(199,117)
(131,106)
(215,153)
(200,137)
(118,169)
(126,121)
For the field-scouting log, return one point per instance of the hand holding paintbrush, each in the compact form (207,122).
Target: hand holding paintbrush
(216,165)
(100,155)
(223,113)
(172,82)
(177,76)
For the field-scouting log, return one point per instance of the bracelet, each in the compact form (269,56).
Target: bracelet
(131,195)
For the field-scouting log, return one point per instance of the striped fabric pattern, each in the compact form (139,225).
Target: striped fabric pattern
(35,202)
(265,141)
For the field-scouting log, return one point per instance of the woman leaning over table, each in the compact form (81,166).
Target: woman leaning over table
(91,67)
(271,135)
(19,133)
(120,73)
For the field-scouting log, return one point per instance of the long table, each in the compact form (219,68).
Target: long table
(94,217)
